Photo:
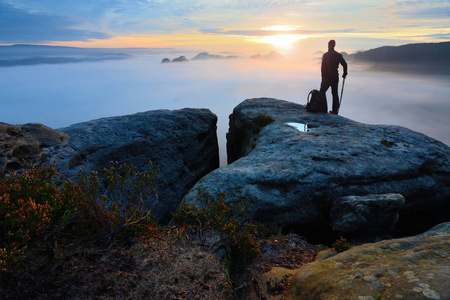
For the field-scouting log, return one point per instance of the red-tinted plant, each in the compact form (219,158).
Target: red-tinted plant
(34,204)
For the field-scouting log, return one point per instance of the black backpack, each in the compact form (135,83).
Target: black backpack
(317,103)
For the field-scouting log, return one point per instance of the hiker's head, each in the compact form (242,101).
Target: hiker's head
(331,44)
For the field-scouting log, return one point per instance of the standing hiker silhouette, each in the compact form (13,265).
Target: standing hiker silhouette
(330,74)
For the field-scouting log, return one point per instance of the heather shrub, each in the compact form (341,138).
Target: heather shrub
(245,248)
(36,206)
(215,214)
(41,209)
(226,219)
(341,245)
(123,200)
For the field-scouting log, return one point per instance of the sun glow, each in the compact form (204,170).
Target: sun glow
(281,41)
(283,36)
(281,28)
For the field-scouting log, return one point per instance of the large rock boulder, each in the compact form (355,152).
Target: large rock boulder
(181,143)
(29,143)
(410,268)
(363,216)
(290,170)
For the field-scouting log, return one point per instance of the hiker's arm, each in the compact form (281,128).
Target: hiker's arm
(344,65)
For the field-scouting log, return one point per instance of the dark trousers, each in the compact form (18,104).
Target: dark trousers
(332,82)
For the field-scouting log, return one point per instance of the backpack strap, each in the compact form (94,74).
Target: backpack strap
(308,97)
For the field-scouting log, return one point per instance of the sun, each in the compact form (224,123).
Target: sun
(281,41)
(281,36)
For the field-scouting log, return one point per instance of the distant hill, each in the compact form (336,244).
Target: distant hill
(271,55)
(25,50)
(200,56)
(274,55)
(424,57)
(23,54)
(206,55)
(38,60)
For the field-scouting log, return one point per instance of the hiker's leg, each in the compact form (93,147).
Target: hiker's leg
(334,92)
(324,85)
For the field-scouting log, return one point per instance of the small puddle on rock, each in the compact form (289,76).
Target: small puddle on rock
(300,126)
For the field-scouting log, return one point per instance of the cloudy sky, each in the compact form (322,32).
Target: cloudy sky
(223,25)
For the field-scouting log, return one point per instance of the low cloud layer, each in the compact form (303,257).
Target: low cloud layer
(61,95)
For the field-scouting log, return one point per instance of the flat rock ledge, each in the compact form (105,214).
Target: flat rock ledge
(181,143)
(410,268)
(290,171)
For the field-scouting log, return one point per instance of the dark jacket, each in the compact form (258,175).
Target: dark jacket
(330,64)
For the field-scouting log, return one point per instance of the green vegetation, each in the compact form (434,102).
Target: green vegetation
(341,245)
(126,202)
(41,210)
(227,223)
(258,123)
(263,120)
(97,237)
(388,143)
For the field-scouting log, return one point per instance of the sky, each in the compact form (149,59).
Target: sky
(235,26)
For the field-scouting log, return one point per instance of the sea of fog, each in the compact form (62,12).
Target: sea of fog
(64,94)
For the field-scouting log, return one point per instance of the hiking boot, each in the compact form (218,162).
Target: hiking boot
(333,112)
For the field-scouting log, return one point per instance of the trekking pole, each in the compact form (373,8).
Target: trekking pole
(342,91)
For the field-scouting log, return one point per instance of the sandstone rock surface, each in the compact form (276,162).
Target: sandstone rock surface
(371,215)
(410,268)
(291,177)
(181,143)
(29,143)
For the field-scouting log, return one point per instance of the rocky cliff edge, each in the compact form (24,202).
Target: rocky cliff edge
(290,167)
(181,143)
